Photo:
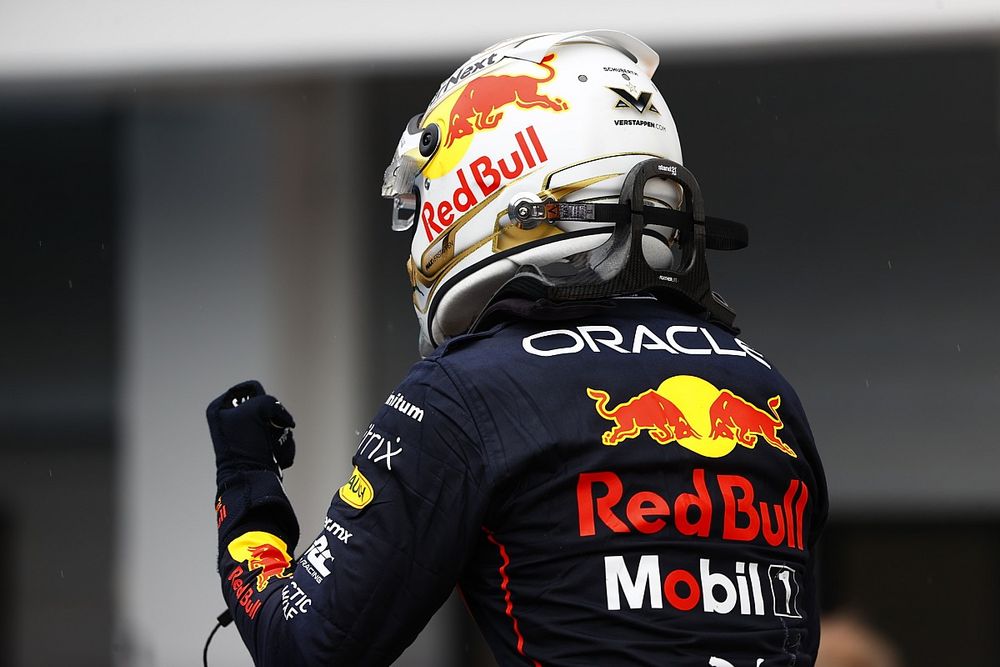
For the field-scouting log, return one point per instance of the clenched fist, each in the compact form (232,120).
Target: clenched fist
(250,431)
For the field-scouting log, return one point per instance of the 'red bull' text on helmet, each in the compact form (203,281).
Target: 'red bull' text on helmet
(538,167)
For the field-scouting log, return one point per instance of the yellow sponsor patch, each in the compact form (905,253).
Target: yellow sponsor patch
(358,491)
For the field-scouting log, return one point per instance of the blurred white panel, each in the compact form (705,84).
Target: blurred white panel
(58,40)
(196,318)
(211,299)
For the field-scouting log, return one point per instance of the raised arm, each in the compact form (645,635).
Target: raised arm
(393,542)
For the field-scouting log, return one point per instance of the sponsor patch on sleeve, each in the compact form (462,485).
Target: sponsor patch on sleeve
(358,491)
(264,552)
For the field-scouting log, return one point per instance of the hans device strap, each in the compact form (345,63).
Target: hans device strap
(618,266)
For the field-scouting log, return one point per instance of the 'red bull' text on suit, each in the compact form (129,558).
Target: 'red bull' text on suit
(622,484)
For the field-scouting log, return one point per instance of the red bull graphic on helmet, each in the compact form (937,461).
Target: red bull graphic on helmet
(481,179)
(480,104)
(695,414)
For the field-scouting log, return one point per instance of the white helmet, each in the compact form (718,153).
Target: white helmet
(555,117)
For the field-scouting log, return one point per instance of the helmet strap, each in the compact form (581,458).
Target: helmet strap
(618,266)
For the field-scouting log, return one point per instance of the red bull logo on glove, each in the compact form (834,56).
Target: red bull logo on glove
(695,414)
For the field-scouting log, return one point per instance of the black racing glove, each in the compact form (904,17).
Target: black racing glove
(250,431)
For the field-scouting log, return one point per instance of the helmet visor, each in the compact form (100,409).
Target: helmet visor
(397,182)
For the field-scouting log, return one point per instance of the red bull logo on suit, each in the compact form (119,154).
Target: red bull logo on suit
(261,553)
(695,414)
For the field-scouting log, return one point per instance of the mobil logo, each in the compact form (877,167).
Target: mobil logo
(695,414)
(745,588)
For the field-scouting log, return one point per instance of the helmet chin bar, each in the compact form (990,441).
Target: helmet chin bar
(618,267)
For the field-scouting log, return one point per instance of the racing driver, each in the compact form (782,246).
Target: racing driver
(587,449)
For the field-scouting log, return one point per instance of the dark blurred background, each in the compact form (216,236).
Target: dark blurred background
(167,232)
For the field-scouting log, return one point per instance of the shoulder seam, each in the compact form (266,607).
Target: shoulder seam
(468,410)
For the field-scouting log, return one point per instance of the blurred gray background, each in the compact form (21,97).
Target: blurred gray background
(189,198)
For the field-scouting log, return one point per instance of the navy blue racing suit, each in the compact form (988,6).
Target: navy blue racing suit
(622,484)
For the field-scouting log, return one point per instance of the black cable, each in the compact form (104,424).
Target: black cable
(224,619)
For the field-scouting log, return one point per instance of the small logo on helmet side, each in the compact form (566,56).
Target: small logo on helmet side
(642,102)
(467,70)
